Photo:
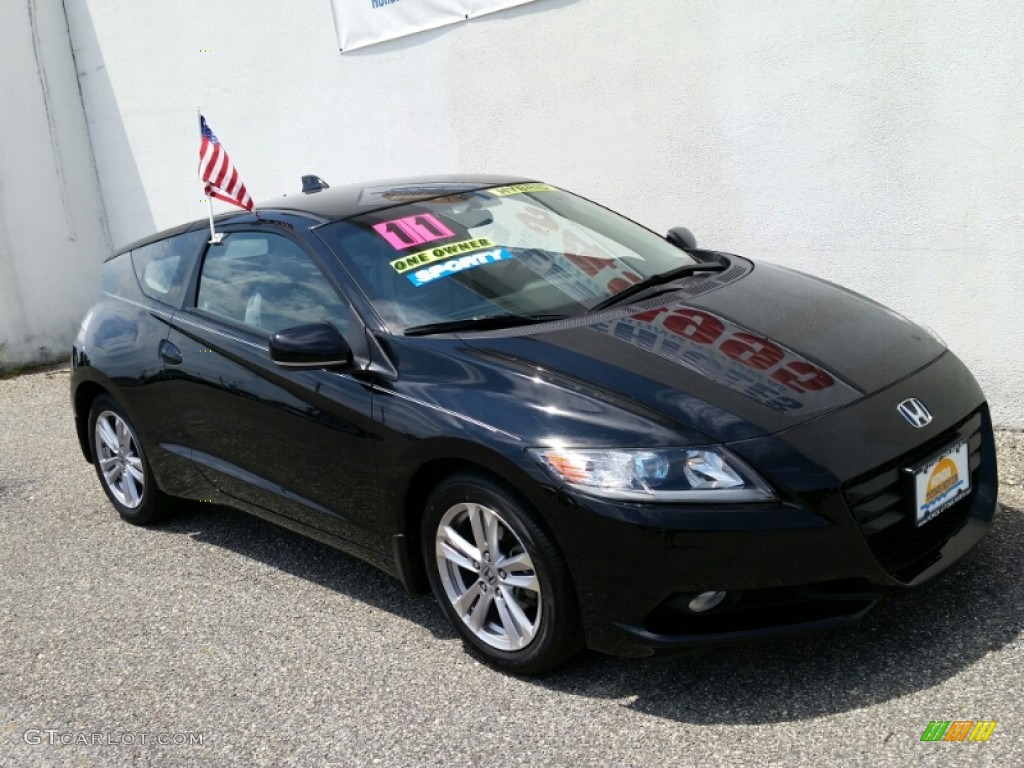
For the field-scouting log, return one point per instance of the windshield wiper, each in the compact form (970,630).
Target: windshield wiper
(480,323)
(655,280)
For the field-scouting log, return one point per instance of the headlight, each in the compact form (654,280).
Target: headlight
(670,474)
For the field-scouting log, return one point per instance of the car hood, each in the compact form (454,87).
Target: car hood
(756,356)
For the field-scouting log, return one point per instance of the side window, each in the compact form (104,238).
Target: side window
(163,268)
(267,282)
(116,276)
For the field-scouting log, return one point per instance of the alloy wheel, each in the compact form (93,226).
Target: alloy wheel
(488,576)
(119,459)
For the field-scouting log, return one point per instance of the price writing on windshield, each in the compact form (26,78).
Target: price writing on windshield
(412,230)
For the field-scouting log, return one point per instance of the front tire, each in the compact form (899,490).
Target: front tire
(121,464)
(498,576)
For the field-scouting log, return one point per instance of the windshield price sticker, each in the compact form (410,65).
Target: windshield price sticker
(412,230)
(942,482)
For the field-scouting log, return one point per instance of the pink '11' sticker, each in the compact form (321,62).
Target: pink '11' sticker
(412,230)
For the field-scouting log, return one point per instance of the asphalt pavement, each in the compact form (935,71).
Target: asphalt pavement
(220,640)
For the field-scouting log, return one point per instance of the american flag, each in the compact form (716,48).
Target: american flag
(216,169)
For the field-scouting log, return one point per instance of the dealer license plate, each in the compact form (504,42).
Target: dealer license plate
(942,482)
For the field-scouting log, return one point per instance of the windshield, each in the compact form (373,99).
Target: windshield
(525,249)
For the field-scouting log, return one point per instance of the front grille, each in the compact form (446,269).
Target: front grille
(903,545)
(882,503)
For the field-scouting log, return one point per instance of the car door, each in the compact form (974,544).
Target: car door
(296,442)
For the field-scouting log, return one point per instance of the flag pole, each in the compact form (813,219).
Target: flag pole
(215,236)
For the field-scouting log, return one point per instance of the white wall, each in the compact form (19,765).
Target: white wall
(52,230)
(876,144)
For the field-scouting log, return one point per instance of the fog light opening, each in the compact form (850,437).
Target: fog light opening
(705,601)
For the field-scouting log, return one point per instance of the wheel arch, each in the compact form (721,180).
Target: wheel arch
(85,395)
(445,458)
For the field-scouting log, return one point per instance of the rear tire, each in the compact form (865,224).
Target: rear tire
(121,465)
(498,576)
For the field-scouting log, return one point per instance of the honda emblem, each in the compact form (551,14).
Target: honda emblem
(914,412)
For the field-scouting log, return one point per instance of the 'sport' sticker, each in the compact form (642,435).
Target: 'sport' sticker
(454,266)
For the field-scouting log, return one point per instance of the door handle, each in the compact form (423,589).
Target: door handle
(169,353)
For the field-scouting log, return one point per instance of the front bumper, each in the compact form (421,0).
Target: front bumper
(821,557)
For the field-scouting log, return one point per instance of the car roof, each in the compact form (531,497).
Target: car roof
(344,201)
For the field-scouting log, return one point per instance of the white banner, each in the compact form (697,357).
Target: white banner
(365,22)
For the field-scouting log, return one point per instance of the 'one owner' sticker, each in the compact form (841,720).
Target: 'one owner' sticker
(454,266)
(440,253)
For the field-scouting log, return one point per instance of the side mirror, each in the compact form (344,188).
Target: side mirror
(681,237)
(318,345)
